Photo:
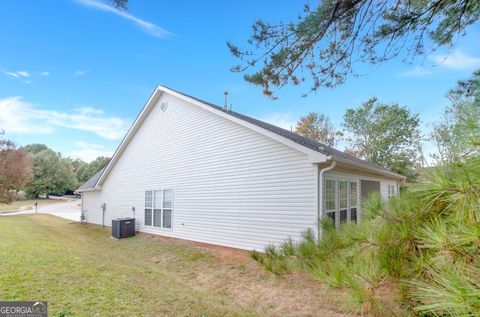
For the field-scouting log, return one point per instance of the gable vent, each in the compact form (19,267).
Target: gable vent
(163,106)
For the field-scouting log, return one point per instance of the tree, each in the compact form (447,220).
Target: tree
(325,40)
(51,173)
(76,164)
(86,171)
(15,169)
(35,148)
(457,134)
(385,134)
(118,4)
(316,126)
(413,255)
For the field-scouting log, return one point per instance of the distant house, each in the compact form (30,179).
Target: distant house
(192,170)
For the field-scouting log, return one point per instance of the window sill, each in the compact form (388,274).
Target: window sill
(158,228)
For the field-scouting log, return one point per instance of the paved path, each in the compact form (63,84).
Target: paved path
(68,210)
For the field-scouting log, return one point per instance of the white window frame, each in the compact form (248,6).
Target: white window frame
(162,208)
(357,201)
(391,191)
(325,198)
(347,207)
(337,179)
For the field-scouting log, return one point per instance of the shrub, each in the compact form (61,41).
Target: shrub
(417,253)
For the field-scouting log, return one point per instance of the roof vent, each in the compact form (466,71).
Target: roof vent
(225,105)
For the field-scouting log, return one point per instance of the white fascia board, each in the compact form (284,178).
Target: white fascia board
(370,168)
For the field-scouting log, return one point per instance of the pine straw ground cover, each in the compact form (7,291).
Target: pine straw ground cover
(81,271)
(417,255)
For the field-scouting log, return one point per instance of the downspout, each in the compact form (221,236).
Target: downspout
(320,195)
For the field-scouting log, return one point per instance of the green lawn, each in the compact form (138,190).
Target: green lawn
(81,271)
(27,204)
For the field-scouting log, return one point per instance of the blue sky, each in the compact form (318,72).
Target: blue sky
(74,74)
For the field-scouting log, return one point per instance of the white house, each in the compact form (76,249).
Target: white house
(192,170)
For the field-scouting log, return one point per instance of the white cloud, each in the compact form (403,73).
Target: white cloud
(282,120)
(18,74)
(45,74)
(21,117)
(148,27)
(88,109)
(23,73)
(17,118)
(89,152)
(417,71)
(12,74)
(457,60)
(80,72)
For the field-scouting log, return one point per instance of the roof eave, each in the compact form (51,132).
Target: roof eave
(88,189)
(369,167)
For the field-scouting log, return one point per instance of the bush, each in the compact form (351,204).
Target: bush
(418,253)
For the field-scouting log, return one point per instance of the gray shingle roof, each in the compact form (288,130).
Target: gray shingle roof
(297,138)
(92,181)
(316,146)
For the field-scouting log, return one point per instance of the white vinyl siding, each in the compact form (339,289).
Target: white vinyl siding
(232,186)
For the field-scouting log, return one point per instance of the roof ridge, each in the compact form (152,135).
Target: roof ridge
(300,139)
(292,136)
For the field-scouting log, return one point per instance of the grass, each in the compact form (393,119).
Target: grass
(27,205)
(81,271)
(417,254)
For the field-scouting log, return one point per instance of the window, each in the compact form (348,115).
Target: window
(353,201)
(330,199)
(148,207)
(341,199)
(391,190)
(158,208)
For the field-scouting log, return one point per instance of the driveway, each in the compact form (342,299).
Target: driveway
(69,210)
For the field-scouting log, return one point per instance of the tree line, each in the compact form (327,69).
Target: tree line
(39,170)
(385,134)
(389,134)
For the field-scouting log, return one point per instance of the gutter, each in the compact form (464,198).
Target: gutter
(320,194)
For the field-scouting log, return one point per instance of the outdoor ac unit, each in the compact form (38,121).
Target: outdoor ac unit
(123,228)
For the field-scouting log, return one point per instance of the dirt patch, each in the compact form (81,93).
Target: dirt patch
(235,275)
(225,254)
(250,286)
